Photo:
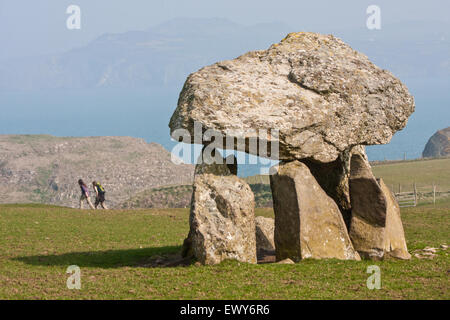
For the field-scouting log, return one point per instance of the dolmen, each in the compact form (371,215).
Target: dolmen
(313,103)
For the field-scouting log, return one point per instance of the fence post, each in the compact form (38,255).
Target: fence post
(415,194)
(399,188)
(434,193)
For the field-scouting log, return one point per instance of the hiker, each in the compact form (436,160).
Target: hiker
(84,194)
(100,192)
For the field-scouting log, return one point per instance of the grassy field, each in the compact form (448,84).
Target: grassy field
(403,175)
(424,173)
(116,250)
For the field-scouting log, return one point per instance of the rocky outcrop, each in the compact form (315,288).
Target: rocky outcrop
(375,227)
(308,223)
(222,217)
(438,145)
(322,96)
(265,230)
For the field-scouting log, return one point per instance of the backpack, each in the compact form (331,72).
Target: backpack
(100,188)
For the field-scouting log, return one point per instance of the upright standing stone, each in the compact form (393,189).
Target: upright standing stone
(394,242)
(375,226)
(222,218)
(368,210)
(334,177)
(265,229)
(308,223)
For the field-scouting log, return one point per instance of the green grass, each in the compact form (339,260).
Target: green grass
(423,173)
(179,196)
(263,195)
(39,242)
(30,138)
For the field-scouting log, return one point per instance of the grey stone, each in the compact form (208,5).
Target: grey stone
(265,229)
(322,96)
(308,223)
(286,261)
(222,218)
(375,227)
(438,145)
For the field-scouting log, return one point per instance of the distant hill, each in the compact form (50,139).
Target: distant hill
(438,145)
(160,56)
(179,196)
(163,55)
(45,169)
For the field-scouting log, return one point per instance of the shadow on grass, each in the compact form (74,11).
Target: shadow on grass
(147,257)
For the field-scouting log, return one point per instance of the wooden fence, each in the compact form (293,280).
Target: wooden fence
(406,199)
(416,194)
(407,194)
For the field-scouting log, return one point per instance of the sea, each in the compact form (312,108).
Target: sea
(145,113)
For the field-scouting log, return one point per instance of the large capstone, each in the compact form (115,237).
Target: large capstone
(322,96)
(222,218)
(375,227)
(308,223)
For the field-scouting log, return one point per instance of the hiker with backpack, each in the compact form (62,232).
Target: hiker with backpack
(100,192)
(84,194)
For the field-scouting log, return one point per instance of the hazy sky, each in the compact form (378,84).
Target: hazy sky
(39,26)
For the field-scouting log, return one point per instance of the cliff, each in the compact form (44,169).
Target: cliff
(438,145)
